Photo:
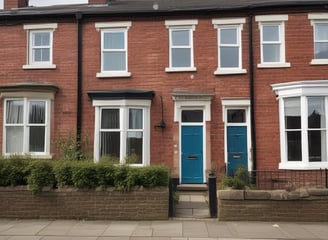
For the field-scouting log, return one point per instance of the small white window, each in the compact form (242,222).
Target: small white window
(114,49)
(181,52)
(40,46)
(272,35)
(26,126)
(320,38)
(229,45)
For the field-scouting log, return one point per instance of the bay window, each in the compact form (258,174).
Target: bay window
(122,125)
(26,126)
(303,124)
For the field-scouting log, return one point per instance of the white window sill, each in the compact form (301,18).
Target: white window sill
(303,165)
(221,71)
(113,74)
(39,66)
(319,62)
(273,65)
(31,155)
(180,69)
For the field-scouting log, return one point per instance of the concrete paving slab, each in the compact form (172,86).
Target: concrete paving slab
(25,228)
(113,238)
(58,228)
(218,229)
(194,229)
(320,230)
(88,228)
(257,230)
(68,238)
(167,228)
(297,231)
(120,228)
(25,238)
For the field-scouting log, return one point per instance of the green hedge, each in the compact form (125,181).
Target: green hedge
(81,174)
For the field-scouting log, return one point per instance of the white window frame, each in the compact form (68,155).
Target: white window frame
(301,89)
(188,25)
(26,125)
(233,23)
(273,20)
(105,27)
(32,29)
(124,106)
(316,18)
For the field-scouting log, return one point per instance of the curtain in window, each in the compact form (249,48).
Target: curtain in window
(14,132)
(37,112)
(110,119)
(135,118)
(14,113)
(110,144)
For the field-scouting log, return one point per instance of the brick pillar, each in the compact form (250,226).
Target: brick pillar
(9,4)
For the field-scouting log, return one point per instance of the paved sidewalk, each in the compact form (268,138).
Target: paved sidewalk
(158,230)
(192,205)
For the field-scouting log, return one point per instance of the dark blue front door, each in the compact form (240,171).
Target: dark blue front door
(237,148)
(192,154)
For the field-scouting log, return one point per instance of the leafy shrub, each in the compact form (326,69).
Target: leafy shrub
(239,181)
(124,178)
(13,171)
(84,175)
(40,175)
(153,176)
(63,173)
(81,174)
(106,174)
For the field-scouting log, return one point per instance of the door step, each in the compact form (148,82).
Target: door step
(192,187)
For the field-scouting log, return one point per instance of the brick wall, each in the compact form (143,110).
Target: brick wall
(253,205)
(139,204)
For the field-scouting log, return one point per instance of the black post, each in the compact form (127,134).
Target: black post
(326,170)
(212,196)
(172,189)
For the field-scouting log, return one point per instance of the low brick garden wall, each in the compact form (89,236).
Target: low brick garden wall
(138,204)
(308,205)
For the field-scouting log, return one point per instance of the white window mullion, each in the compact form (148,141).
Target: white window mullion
(96,143)
(283,133)
(326,127)
(26,126)
(304,125)
(124,115)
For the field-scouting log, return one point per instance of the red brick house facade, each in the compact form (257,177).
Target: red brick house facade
(195,86)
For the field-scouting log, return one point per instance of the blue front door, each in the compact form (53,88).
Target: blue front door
(237,148)
(192,154)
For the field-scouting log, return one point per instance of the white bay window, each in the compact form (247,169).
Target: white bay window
(122,125)
(26,126)
(303,107)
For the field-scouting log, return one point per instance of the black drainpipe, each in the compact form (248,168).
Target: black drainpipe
(79,81)
(251,86)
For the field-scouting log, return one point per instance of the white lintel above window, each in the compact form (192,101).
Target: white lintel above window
(100,25)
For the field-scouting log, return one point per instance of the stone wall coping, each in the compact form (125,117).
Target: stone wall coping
(276,195)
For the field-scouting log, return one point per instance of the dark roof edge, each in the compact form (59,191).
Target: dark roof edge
(122,94)
(94,11)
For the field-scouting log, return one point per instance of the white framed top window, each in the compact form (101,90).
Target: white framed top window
(40,46)
(272,36)
(181,50)
(114,49)
(229,45)
(303,109)
(319,22)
